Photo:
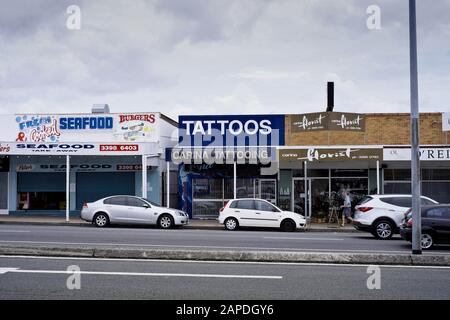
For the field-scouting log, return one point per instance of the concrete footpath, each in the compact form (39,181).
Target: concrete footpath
(193,223)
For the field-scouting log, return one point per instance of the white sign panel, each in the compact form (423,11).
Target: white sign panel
(139,127)
(426,154)
(446,121)
(78,148)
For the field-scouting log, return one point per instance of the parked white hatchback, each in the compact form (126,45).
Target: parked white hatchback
(382,215)
(249,212)
(131,210)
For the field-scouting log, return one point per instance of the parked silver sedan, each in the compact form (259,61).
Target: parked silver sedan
(131,210)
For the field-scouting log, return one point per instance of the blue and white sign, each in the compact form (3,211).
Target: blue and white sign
(231,130)
(85,123)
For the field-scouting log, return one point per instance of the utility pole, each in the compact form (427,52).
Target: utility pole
(415,158)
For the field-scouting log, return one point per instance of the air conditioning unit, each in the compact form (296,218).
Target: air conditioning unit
(100,108)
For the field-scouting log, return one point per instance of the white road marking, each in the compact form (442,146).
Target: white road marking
(302,238)
(219,262)
(6,270)
(15,231)
(145,274)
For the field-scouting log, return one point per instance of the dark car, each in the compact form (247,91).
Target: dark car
(435,225)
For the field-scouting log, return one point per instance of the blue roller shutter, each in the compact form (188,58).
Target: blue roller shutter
(92,186)
(41,182)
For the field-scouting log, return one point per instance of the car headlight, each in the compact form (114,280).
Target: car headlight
(181,213)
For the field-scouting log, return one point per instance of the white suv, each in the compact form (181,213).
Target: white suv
(249,212)
(382,215)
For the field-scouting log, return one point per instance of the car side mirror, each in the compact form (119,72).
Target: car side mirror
(146,206)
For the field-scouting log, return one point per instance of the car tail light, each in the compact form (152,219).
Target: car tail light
(365,209)
(409,223)
(221,209)
(85,205)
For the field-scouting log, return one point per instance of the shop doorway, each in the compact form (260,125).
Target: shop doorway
(313,202)
(301,196)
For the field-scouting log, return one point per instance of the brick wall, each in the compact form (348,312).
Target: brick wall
(381,129)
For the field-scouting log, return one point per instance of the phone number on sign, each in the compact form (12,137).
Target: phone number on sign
(119,147)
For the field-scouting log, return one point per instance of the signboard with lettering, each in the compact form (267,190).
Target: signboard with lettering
(346,121)
(331,154)
(78,148)
(231,130)
(309,122)
(220,155)
(139,127)
(426,154)
(78,167)
(335,121)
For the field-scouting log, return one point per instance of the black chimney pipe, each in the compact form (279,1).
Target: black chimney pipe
(330,96)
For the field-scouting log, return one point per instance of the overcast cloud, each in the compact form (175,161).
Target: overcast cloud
(219,56)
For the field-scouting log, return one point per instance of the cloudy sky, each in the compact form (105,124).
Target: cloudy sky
(219,56)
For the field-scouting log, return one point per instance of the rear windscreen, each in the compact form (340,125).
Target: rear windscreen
(364,200)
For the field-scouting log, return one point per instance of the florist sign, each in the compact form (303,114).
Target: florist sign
(318,154)
(335,121)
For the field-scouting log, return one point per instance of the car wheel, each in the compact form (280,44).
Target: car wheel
(165,222)
(288,225)
(101,220)
(231,224)
(383,230)
(426,241)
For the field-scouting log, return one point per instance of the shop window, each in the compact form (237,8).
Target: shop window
(436,174)
(41,201)
(315,173)
(397,187)
(207,208)
(437,190)
(207,188)
(245,188)
(349,172)
(397,174)
(357,187)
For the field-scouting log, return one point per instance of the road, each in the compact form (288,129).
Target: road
(46,278)
(22,235)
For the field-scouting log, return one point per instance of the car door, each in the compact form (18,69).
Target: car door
(140,212)
(244,210)
(446,225)
(439,220)
(117,209)
(267,215)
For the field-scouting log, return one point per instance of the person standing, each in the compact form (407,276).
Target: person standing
(346,208)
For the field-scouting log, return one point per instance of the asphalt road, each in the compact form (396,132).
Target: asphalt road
(23,235)
(46,278)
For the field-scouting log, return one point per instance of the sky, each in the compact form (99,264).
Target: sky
(220,56)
